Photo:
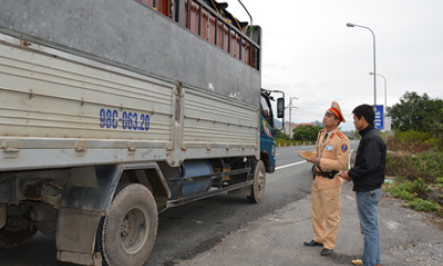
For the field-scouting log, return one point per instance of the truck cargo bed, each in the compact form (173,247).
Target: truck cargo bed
(77,111)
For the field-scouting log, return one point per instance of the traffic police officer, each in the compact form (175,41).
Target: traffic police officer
(331,156)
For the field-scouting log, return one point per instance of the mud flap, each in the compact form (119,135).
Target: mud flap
(85,199)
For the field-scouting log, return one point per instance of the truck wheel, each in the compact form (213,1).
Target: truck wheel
(128,231)
(258,188)
(12,237)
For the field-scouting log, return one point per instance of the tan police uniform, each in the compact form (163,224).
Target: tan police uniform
(333,153)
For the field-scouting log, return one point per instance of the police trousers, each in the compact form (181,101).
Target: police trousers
(325,215)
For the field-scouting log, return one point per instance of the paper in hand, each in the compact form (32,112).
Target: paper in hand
(308,155)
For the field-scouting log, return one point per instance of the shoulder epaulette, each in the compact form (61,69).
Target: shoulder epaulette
(341,135)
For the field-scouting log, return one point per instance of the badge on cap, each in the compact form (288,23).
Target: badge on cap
(344,148)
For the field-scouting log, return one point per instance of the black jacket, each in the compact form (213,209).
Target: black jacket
(369,170)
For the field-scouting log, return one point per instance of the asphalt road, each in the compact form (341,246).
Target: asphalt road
(191,229)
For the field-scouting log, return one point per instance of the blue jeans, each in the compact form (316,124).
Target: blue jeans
(367,202)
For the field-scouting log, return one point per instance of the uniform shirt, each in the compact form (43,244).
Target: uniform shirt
(333,154)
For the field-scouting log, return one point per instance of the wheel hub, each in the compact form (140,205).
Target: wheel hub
(126,227)
(134,230)
(261,181)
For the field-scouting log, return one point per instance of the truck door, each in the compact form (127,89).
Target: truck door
(267,134)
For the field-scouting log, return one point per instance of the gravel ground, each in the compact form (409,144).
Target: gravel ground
(420,254)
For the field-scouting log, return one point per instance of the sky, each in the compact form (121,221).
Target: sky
(309,53)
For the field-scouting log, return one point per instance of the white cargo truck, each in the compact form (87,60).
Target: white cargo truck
(113,111)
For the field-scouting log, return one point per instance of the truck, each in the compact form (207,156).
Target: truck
(113,111)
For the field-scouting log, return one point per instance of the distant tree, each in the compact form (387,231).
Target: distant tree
(281,135)
(415,112)
(437,131)
(306,133)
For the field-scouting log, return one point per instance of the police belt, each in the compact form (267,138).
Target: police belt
(328,174)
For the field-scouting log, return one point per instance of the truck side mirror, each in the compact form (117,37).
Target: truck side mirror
(281,107)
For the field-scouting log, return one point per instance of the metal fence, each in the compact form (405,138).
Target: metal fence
(294,143)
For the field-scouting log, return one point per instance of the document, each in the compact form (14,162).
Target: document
(308,155)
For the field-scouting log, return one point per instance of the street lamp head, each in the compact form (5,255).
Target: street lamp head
(350,25)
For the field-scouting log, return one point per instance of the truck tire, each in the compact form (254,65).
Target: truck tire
(12,237)
(128,231)
(258,188)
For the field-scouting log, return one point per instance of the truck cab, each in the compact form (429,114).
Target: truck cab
(268,128)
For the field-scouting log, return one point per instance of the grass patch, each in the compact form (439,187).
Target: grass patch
(422,205)
(402,194)
(416,194)
(402,190)
(415,159)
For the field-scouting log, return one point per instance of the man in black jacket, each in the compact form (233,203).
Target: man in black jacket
(368,175)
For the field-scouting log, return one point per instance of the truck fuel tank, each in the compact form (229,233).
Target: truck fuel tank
(189,179)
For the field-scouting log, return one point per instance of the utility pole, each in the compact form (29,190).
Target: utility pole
(290,106)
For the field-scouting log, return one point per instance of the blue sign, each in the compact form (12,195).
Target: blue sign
(378,120)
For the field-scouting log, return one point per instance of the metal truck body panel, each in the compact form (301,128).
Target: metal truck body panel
(75,109)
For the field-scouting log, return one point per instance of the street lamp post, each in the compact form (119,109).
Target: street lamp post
(351,25)
(386,88)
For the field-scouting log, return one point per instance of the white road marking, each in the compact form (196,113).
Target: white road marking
(289,165)
(297,163)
